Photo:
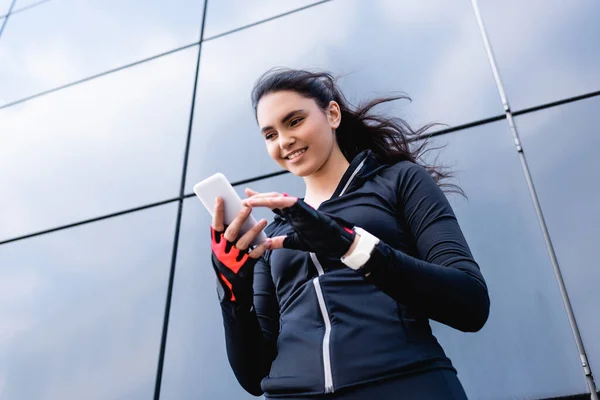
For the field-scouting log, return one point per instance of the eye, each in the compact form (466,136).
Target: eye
(296,121)
(269,136)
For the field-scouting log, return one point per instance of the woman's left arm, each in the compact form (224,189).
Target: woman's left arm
(444,283)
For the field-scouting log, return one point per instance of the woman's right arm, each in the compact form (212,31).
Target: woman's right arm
(251,334)
(247,296)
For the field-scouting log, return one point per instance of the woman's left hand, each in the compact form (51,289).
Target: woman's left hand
(314,231)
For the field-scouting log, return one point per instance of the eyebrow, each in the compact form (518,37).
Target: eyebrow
(286,118)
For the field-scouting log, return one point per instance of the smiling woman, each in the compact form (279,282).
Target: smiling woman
(337,302)
(299,140)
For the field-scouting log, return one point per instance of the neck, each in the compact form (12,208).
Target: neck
(321,184)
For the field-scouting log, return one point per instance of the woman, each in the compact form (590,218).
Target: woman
(336,303)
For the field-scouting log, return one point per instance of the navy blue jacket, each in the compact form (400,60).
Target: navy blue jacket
(318,326)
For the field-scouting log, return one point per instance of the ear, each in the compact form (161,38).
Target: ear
(334,114)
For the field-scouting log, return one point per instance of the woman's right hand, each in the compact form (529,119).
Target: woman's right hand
(232,259)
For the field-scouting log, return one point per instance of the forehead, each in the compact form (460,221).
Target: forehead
(274,106)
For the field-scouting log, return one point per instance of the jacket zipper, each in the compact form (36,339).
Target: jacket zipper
(326,338)
(326,353)
(356,171)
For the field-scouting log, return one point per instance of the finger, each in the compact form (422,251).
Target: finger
(244,242)
(271,202)
(277,242)
(294,241)
(260,249)
(269,194)
(233,230)
(256,195)
(217,221)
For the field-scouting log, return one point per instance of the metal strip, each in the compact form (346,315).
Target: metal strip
(25,8)
(538,209)
(10,8)
(167,313)
(30,97)
(488,49)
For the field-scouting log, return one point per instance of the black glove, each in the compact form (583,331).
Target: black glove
(234,269)
(316,231)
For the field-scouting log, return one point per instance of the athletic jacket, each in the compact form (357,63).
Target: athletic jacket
(318,326)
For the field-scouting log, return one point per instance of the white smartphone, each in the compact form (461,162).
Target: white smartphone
(217,185)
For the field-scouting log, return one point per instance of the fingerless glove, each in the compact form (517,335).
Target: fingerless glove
(234,269)
(316,231)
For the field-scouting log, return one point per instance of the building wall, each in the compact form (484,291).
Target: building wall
(111,111)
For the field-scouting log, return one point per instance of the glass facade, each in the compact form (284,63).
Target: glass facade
(563,143)
(111,111)
(546,50)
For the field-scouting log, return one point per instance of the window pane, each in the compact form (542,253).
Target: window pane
(526,348)
(82,309)
(546,49)
(20,4)
(196,363)
(562,145)
(4,7)
(383,47)
(63,41)
(225,15)
(108,144)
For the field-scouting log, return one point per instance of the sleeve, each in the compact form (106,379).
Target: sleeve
(444,283)
(251,335)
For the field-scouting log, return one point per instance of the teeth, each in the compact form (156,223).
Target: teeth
(296,154)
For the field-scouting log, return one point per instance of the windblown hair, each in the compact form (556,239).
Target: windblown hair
(390,139)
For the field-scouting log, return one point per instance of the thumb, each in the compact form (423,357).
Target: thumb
(277,242)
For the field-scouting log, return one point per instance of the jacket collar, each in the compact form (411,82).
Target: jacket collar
(362,167)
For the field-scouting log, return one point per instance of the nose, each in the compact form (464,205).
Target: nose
(286,140)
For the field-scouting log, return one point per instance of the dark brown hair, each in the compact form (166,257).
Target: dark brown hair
(390,139)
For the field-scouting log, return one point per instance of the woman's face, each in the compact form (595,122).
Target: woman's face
(299,136)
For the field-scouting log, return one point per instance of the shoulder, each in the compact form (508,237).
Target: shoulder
(405,166)
(405,174)
(416,187)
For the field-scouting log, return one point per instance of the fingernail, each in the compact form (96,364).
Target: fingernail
(285,194)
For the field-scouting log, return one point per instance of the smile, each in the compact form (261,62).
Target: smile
(296,154)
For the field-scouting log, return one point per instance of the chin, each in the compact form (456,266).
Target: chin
(296,171)
(303,171)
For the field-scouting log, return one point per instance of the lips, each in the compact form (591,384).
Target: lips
(295,154)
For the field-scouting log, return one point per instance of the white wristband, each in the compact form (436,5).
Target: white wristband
(361,254)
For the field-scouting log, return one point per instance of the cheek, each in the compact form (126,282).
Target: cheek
(315,132)
(321,135)
(272,149)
